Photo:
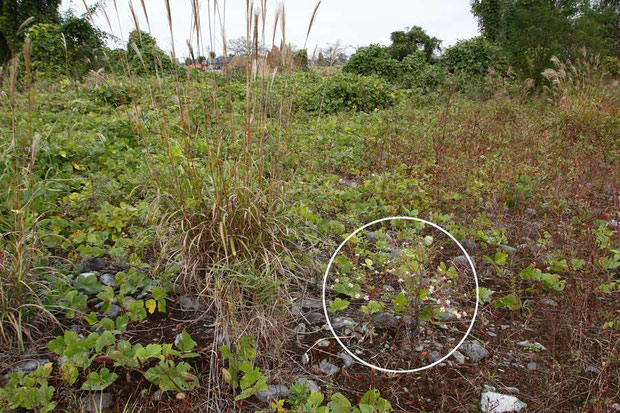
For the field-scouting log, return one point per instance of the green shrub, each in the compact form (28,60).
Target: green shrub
(415,72)
(372,60)
(145,57)
(474,56)
(346,91)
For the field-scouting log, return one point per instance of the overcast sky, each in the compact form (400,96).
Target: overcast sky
(354,22)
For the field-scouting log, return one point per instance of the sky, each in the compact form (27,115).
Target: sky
(354,23)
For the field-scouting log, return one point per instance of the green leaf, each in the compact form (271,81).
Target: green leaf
(69,372)
(484,293)
(150,305)
(105,339)
(186,343)
(337,305)
(400,302)
(510,301)
(57,345)
(339,404)
(97,381)
(158,293)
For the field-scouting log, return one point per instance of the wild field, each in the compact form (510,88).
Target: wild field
(166,233)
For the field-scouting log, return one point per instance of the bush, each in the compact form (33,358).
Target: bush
(474,56)
(150,59)
(348,92)
(415,72)
(372,60)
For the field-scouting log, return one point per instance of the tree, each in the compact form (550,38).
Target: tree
(240,47)
(151,58)
(409,42)
(372,60)
(474,56)
(531,31)
(13,13)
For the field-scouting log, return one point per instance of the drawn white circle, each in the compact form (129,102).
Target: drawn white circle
(372,366)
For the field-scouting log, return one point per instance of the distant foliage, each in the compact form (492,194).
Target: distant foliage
(372,60)
(474,56)
(415,72)
(412,41)
(347,92)
(300,59)
(145,57)
(73,47)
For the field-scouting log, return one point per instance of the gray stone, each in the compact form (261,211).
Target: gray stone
(92,264)
(504,326)
(113,312)
(29,366)
(474,351)
(384,320)
(491,402)
(548,301)
(327,368)
(593,370)
(434,356)
(340,323)
(372,236)
(532,365)
(189,304)
(157,396)
(459,357)
(97,402)
(305,359)
(395,254)
(310,384)
(346,358)
(311,303)
(469,245)
(314,318)
(613,223)
(462,261)
(388,288)
(126,303)
(273,392)
(300,328)
(491,334)
(507,248)
(530,211)
(108,279)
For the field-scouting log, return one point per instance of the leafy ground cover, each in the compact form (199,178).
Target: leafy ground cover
(165,233)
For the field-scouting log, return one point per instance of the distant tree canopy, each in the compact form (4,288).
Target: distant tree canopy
(144,56)
(474,56)
(15,12)
(411,41)
(531,31)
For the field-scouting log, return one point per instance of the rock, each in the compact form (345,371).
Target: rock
(548,302)
(108,279)
(507,248)
(305,359)
(504,326)
(532,365)
(75,328)
(384,320)
(310,384)
(462,261)
(97,402)
(613,223)
(311,303)
(315,318)
(536,346)
(459,357)
(469,245)
(29,366)
(388,288)
(273,392)
(346,358)
(530,211)
(157,396)
(340,323)
(188,304)
(593,370)
(300,328)
(491,334)
(113,312)
(327,368)
(491,402)
(92,264)
(372,236)
(474,351)
(434,356)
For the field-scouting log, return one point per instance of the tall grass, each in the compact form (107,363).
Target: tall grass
(20,288)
